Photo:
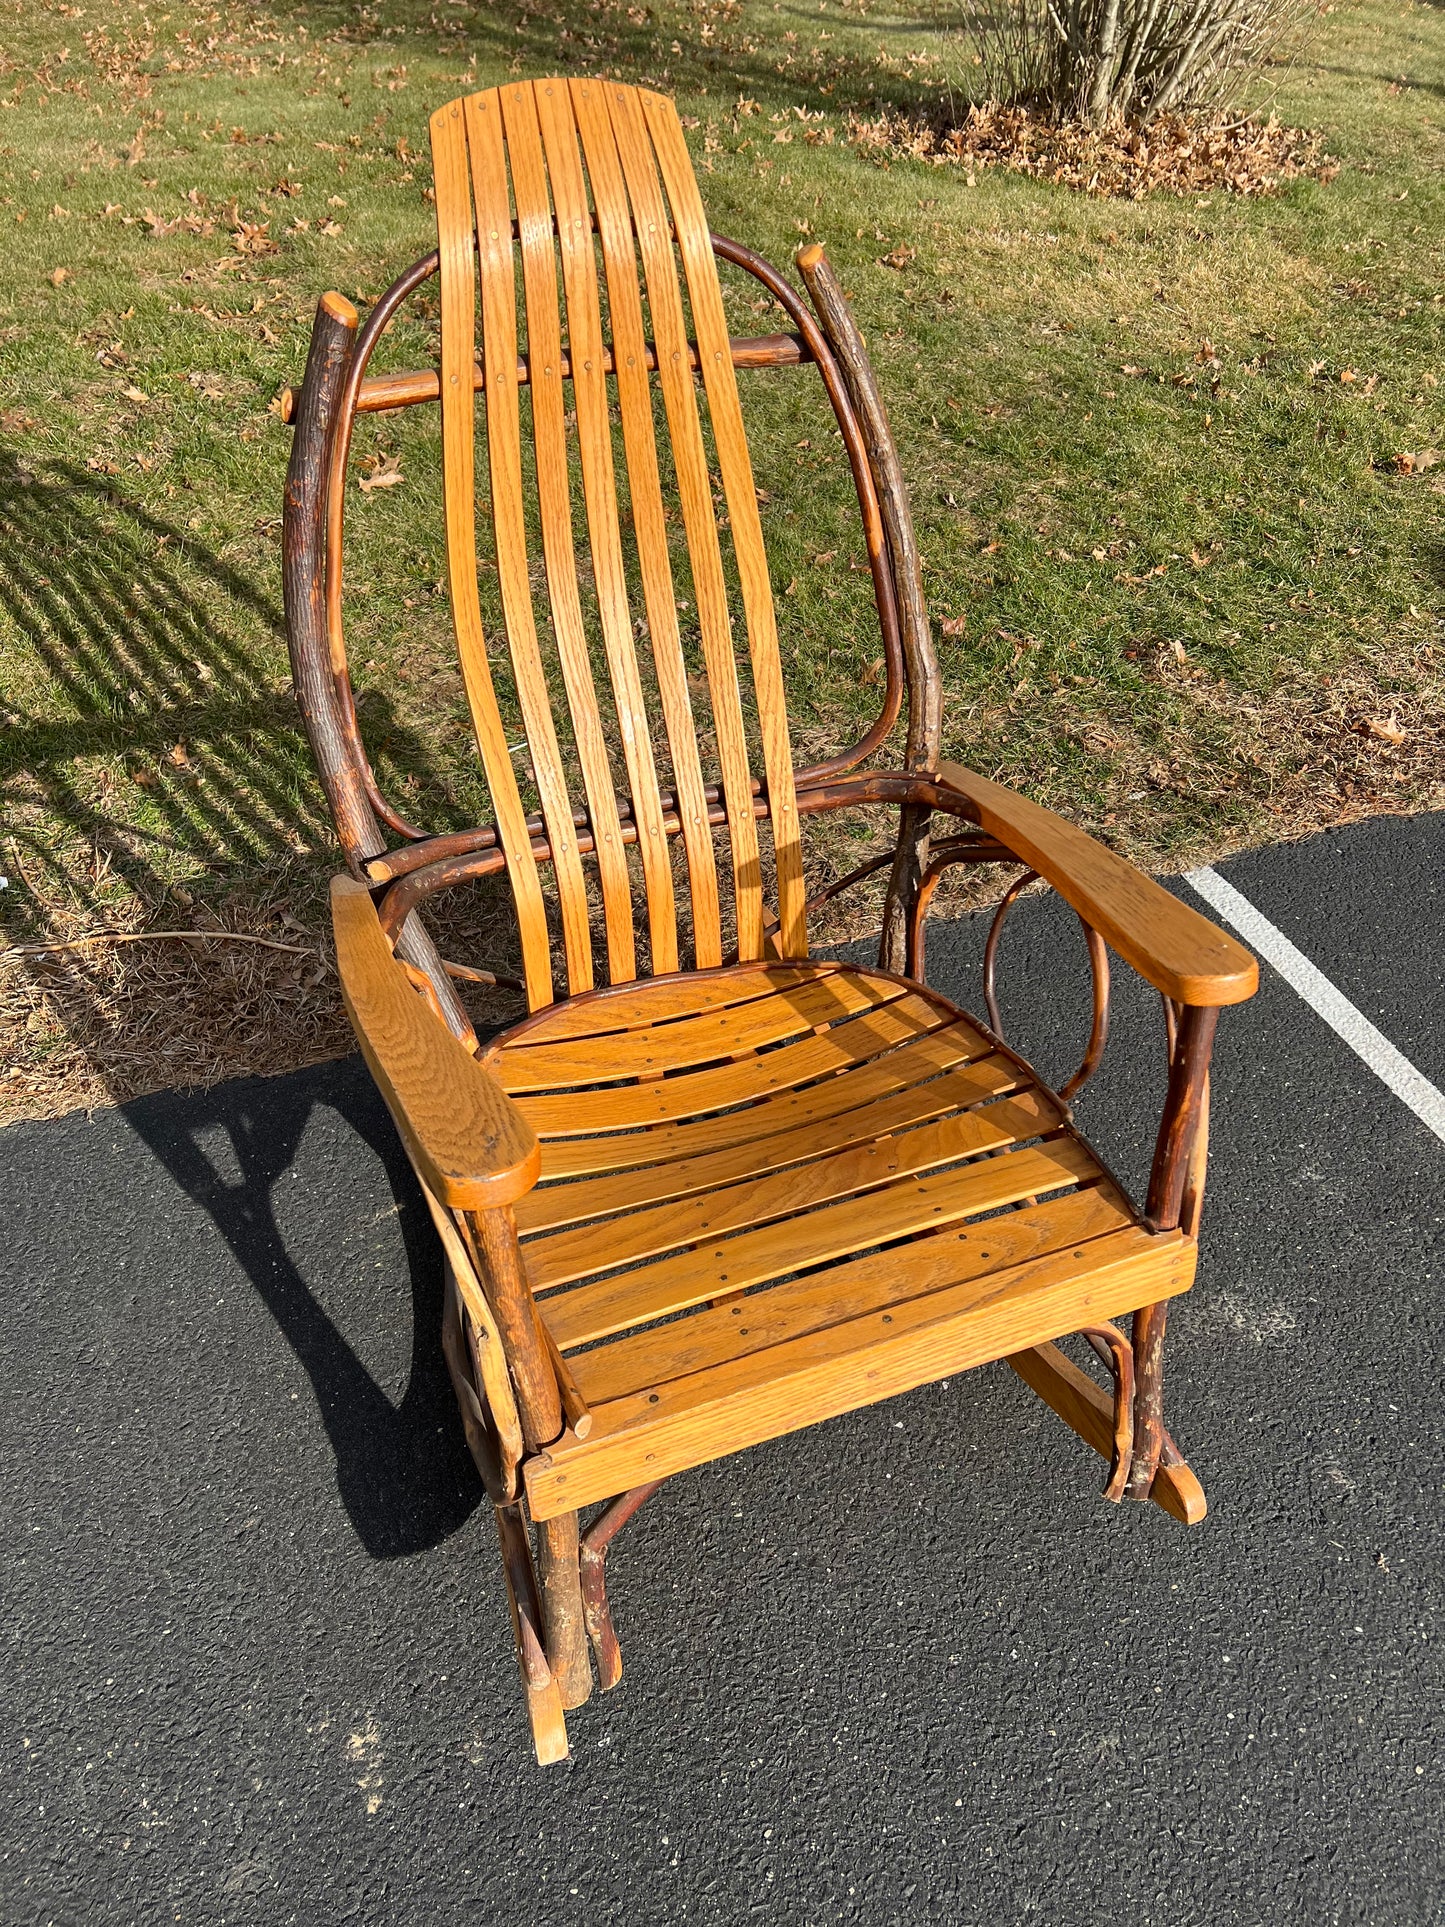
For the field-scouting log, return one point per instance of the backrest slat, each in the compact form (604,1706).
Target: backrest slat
(504,448)
(649,527)
(740,491)
(594,441)
(664,300)
(554,494)
(589,168)
(458,357)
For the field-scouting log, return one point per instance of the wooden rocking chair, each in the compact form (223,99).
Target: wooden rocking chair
(702,1206)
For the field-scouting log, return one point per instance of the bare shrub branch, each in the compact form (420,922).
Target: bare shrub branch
(1099,62)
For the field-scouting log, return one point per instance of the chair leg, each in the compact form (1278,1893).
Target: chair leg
(1148,1336)
(567,1650)
(544,1698)
(1083,1404)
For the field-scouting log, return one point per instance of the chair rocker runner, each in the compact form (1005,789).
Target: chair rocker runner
(731,1191)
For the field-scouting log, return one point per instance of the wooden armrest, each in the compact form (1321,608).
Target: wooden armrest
(466,1137)
(1178,951)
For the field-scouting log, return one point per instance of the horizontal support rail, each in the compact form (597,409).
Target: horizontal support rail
(380,392)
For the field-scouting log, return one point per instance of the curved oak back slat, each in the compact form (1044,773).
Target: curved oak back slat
(566,192)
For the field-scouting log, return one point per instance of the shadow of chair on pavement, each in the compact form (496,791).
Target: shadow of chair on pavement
(143,639)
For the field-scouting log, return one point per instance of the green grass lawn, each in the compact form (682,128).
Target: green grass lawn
(1153,446)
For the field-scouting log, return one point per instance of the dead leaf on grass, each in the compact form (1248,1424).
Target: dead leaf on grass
(384,472)
(1417,463)
(1387,729)
(253,237)
(59,277)
(953,625)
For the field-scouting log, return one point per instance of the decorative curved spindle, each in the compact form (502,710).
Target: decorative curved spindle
(1099,1031)
(1118,1354)
(949,850)
(1099,967)
(990,949)
(596,1611)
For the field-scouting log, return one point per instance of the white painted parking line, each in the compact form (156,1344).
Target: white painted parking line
(1369,1044)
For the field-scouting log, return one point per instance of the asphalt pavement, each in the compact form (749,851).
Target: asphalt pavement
(906,1667)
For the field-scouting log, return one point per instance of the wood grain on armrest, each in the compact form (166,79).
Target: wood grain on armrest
(1177,950)
(467,1138)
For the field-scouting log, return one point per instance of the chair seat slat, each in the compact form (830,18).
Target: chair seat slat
(570,1204)
(927,1056)
(842,1292)
(700,1039)
(718,1087)
(558,1257)
(856,1223)
(701,1416)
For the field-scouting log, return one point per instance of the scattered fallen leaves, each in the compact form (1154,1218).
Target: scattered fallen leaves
(953,625)
(1387,728)
(1177,154)
(900,257)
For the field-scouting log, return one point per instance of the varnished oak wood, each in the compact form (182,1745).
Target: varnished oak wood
(539,1684)
(592,1310)
(458,277)
(689,1212)
(487,153)
(379,393)
(553,1258)
(486,1346)
(694,1039)
(471,1144)
(730,1406)
(632,360)
(937,1051)
(594,438)
(773,1151)
(1181,953)
(714,1087)
(637,1361)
